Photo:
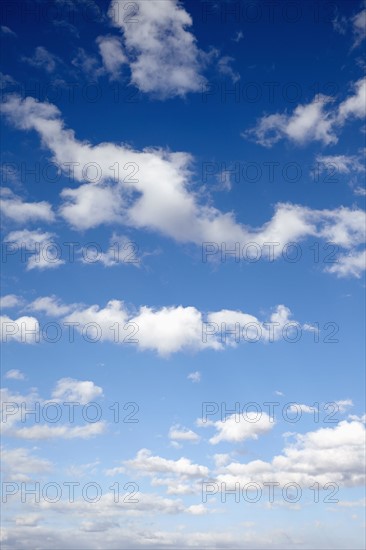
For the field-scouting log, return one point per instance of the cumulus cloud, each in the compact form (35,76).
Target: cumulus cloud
(36,246)
(10,300)
(163,56)
(178,433)
(81,391)
(318,120)
(15,422)
(50,305)
(146,464)
(113,57)
(352,264)
(177,329)
(328,454)
(14,208)
(159,196)
(24,329)
(236,429)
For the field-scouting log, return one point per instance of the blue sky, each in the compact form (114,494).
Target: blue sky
(154,135)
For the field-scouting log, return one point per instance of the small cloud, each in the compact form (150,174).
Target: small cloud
(14,374)
(238,36)
(42,59)
(225,68)
(10,300)
(5,31)
(195,377)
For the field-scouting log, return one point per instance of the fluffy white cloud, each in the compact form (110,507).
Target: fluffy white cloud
(112,54)
(163,55)
(36,246)
(50,305)
(152,190)
(15,209)
(236,428)
(315,121)
(355,105)
(145,463)
(352,264)
(10,300)
(172,329)
(179,433)
(81,391)
(24,329)
(16,423)
(327,455)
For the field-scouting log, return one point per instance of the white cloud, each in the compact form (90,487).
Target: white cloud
(15,209)
(10,300)
(224,67)
(112,54)
(42,59)
(344,164)
(307,123)
(315,121)
(37,246)
(24,329)
(352,264)
(195,377)
(163,55)
(82,391)
(328,454)
(176,328)
(50,305)
(153,191)
(355,105)
(14,374)
(179,433)
(236,428)
(15,423)
(19,463)
(146,463)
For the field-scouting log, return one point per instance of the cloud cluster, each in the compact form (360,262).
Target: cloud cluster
(162,54)
(159,197)
(318,120)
